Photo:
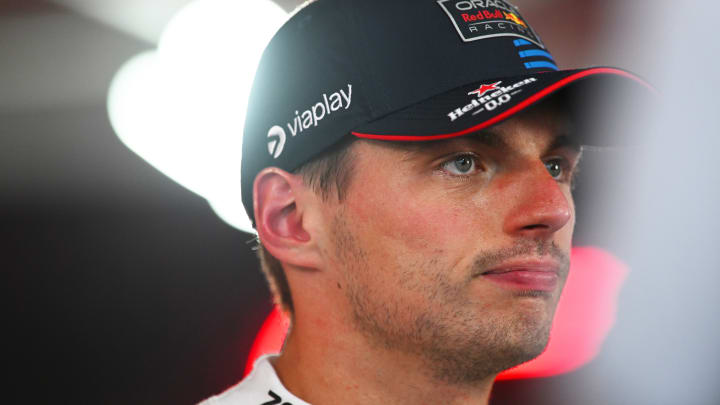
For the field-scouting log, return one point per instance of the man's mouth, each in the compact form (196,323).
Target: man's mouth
(528,275)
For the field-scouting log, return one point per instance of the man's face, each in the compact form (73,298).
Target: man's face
(457,250)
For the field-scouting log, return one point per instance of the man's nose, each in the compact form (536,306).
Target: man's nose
(540,207)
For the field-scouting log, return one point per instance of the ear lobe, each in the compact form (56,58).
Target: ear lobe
(279,216)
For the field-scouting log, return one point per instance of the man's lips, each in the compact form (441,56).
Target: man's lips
(526,275)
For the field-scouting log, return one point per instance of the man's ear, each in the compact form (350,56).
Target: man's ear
(279,217)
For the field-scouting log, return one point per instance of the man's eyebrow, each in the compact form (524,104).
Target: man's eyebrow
(565,141)
(484,137)
(487,137)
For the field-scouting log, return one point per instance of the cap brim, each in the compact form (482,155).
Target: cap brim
(476,106)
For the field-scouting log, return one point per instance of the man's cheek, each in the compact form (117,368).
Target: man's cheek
(394,223)
(412,221)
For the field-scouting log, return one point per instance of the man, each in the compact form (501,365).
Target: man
(408,167)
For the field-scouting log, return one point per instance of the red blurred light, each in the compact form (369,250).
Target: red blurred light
(270,338)
(584,317)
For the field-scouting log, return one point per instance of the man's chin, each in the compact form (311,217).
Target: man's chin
(527,343)
(480,362)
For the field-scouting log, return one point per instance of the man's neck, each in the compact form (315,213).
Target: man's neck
(326,362)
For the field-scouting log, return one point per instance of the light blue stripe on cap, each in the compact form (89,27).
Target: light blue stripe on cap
(521,42)
(535,52)
(536,65)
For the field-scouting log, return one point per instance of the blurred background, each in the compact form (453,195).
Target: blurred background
(125,287)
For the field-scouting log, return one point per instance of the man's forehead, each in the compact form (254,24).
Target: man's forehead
(488,137)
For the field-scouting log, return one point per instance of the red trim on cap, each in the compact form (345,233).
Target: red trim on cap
(520,106)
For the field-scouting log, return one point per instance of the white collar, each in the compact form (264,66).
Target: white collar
(261,387)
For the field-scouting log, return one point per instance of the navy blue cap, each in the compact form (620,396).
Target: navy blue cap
(402,70)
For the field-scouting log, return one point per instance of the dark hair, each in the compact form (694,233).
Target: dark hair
(330,172)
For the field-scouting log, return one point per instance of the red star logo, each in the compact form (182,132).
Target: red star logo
(484,89)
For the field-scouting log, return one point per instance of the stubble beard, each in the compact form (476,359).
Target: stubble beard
(455,344)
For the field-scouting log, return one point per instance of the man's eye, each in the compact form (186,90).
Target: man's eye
(461,165)
(557,168)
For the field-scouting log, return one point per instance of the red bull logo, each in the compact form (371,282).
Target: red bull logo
(493,15)
(483,15)
(480,19)
(514,18)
